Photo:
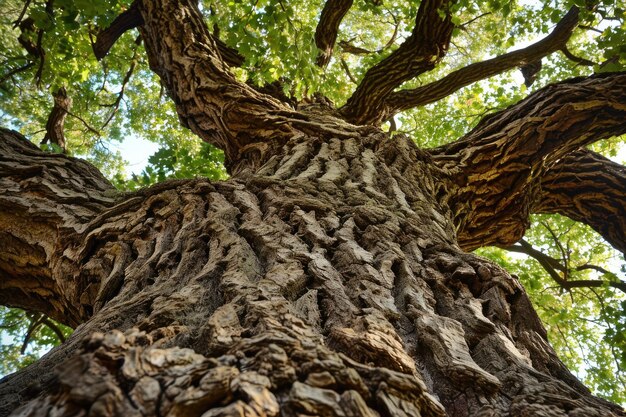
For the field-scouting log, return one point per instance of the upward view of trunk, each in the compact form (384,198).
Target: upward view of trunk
(329,276)
(331,282)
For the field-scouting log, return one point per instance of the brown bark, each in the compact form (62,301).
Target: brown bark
(131,19)
(127,20)
(328,28)
(421,52)
(55,126)
(328,283)
(430,93)
(588,188)
(497,169)
(248,125)
(43,196)
(326,277)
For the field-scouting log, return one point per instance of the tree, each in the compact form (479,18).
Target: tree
(330,274)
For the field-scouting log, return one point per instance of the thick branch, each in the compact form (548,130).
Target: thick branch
(496,166)
(429,93)
(43,197)
(209,99)
(589,188)
(328,27)
(130,19)
(420,53)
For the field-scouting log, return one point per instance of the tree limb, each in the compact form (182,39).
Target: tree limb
(547,261)
(497,166)
(56,120)
(209,99)
(578,60)
(420,53)
(43,198)
(430,93)
(17,21)
(130,19)
(588,188)
(328,27)
(246,124)
(550,265)
(35,321)
(55,328)
(125,81)
(127,20)
(15,71)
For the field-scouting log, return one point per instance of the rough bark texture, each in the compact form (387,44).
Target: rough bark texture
(432,92)
(328,283)
(583,183)
(326,277)
(56,120)
(421,52)
(499,166)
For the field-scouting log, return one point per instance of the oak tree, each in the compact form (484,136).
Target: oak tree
(331,273)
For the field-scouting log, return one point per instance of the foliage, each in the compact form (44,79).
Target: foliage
(25,337)
(119,97)
(585,325)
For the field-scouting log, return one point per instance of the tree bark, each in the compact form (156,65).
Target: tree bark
(328,283)
(326,277)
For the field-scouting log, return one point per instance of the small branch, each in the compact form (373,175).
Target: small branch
(42,53)
(394,35)
(589,283)
(354,50)
(328,28)
(348,47)
(345,67)
(590,28)
(527,249)
(52,326)
(572,57)
(17,21)
(34,49)
(463,26)
(35,322)
(557,242)
(120,95)
(550,265)
(16,71)
(594,267)
(42,58)
(89,128)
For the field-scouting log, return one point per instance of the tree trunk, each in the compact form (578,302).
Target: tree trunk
(330,282)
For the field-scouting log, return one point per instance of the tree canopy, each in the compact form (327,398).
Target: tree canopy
(75,78)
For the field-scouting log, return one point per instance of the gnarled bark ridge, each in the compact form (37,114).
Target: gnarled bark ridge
(330,282)
(328,276)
